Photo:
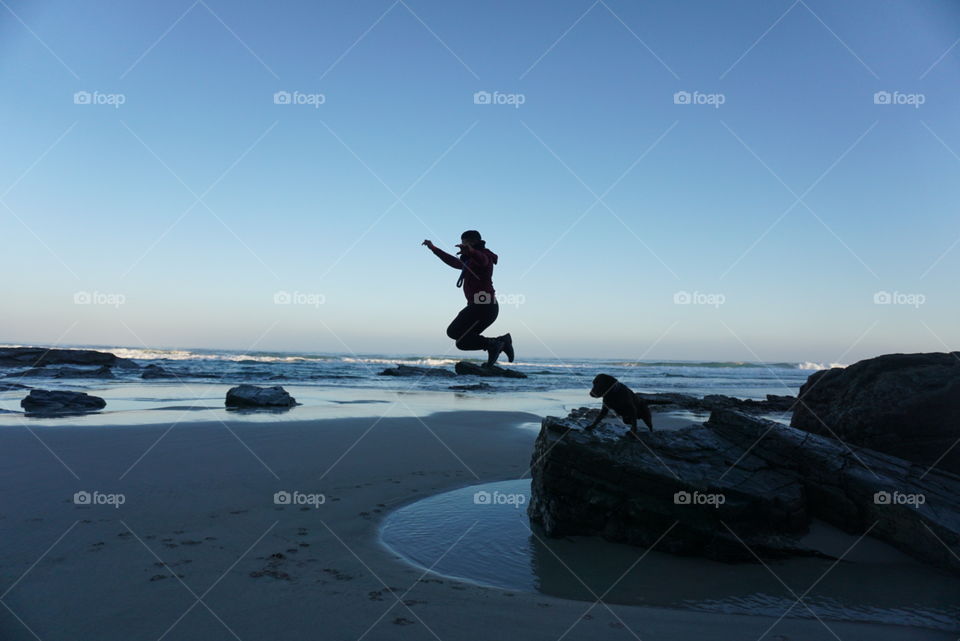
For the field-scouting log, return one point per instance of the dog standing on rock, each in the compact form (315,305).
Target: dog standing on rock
(619,398)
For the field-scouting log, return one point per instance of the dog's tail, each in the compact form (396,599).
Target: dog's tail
(643,411)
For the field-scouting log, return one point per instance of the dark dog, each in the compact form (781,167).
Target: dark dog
(618,397)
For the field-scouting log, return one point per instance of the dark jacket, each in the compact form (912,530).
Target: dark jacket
(476,267)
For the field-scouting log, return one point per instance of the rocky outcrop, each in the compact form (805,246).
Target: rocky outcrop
(103,371)
(155,371)
(410,370)
(711,402)
(60,402)
(252,396)
(38,356)
(734,487)
(466,368)
(907,405)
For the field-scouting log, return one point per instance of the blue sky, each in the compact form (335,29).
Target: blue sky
(780,214)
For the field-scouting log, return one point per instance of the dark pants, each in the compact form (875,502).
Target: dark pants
(473,319)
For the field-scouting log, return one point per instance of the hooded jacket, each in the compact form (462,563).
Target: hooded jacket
(476,272)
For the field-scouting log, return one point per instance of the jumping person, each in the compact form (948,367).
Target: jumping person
(475,263)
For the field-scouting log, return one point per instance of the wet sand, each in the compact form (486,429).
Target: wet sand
(200,550)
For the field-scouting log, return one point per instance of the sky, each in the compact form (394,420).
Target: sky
(759,180)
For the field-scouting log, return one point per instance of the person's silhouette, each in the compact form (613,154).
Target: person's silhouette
(475,263)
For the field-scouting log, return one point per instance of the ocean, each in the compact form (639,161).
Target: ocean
(200,378)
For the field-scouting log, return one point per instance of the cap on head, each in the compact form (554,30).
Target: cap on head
(471,236)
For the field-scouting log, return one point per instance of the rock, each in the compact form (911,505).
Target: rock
(155,371)
(254,396)
(597,483)
(857,489)
(59,402)
(907,405)
(735,481)
(472,369)
(37,356)
(409,370)
(6,387)
(103,371)
(711,402)
(472,388)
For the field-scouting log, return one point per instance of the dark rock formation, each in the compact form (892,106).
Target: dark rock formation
(474,369)
(907,405)
(734,483)
(103,371)
(37,356)
(711,402)
(6,387)
(409,370)
(252,396)
(60,402)
(155,371)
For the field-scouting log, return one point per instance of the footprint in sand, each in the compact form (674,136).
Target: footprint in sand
(337,574)
(272,569)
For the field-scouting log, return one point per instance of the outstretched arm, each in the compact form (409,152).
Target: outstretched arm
(453,261)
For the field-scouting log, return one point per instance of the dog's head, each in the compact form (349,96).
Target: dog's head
(601,385)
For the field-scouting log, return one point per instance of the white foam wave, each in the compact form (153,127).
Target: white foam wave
(818,366)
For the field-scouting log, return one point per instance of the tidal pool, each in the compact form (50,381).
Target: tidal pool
(481,534)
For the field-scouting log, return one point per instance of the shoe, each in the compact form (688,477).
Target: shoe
(507,346)
(493,352)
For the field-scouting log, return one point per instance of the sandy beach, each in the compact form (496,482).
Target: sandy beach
(200,550)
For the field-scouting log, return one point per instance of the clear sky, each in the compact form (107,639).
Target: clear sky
(778,196)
